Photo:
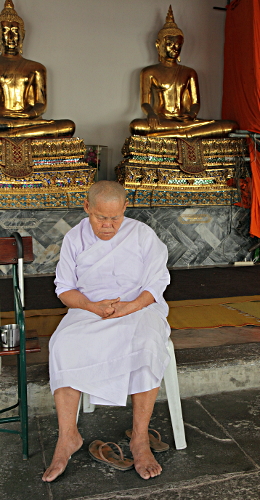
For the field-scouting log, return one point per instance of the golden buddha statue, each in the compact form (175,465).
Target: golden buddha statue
(23,86)
(170,94)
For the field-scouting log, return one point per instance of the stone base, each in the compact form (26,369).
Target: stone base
(57,174)
(195,236)
(159,172)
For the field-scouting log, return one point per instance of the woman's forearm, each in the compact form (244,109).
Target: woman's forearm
(145,299)
(76,300)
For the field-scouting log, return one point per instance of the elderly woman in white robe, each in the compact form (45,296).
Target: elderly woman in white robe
(112,342)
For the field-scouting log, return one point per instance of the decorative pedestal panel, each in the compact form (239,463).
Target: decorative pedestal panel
(161,172)
(44,173)
(195,236)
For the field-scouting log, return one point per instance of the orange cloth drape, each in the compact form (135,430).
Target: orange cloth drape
(255,207)
(241,88)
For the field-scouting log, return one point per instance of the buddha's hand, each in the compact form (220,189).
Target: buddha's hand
(153,120)
(16,115)
(22,113)
(10,114)
(29,112)
(184,118)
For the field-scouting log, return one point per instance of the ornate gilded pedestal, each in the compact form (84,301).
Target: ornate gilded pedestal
(44,173)
(172,172)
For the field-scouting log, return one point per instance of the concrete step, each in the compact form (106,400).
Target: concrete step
(201,371)
(210,370)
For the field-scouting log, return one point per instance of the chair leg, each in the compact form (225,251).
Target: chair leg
(87,406)
(79,406)
(173,396)
(23,408)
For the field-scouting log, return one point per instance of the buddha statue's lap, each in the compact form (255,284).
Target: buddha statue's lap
(23,86)
(170,94)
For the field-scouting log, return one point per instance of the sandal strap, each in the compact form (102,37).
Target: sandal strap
(107,443)
(157,433)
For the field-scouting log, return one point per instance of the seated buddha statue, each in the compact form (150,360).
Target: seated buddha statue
(170,94)
(23,86)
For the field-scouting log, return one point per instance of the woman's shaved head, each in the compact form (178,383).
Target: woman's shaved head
(106,191)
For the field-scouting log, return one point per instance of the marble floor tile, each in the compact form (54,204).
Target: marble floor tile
(241,419)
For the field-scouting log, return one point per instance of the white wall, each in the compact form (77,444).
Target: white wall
(94,50)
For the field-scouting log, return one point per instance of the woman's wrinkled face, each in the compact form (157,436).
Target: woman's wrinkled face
(105,217)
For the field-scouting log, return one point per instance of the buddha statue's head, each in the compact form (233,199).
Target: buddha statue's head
(168,36)
(11,29)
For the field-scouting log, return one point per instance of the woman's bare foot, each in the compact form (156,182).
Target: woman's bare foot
(145,464)
(64,449)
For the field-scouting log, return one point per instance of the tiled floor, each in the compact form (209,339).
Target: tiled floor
(221,461)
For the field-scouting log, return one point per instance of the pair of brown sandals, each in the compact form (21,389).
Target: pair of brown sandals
(102,452)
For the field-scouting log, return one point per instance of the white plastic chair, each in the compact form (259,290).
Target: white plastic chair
(174,401)
(173,396)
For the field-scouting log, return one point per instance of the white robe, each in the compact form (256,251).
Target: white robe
(111,358)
